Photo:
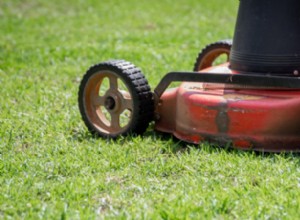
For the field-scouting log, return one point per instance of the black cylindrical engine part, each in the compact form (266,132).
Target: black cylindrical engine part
(267,37)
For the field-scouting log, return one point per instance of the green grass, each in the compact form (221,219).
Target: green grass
(52,168)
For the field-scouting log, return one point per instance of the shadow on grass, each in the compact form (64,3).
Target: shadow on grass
(178,146)
(172,145)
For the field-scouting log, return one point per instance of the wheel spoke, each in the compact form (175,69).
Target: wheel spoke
(115,120)
(98,101)
(113,82)
(102,120)
(127,104)
(126,101)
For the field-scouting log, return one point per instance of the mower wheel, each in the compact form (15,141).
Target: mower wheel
(209,55)
(115,99)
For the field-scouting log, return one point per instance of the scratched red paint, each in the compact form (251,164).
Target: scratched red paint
(265,120)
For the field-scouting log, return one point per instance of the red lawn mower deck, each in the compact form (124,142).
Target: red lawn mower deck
(251,101)
(246,118)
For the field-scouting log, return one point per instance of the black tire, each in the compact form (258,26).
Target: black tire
(141,103)
(211,52)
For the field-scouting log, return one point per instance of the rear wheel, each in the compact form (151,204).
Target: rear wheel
(213,54)
(115,99)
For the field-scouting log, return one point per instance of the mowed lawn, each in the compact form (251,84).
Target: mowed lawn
(52,168)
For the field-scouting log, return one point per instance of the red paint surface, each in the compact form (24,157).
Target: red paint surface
(265,120)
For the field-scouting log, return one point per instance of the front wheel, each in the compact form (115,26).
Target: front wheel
(115,99)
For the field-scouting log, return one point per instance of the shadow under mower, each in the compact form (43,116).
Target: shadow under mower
(251,101)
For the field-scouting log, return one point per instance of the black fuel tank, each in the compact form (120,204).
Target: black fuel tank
(267,37)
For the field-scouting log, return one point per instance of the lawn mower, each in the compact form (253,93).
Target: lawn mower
(251,101)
